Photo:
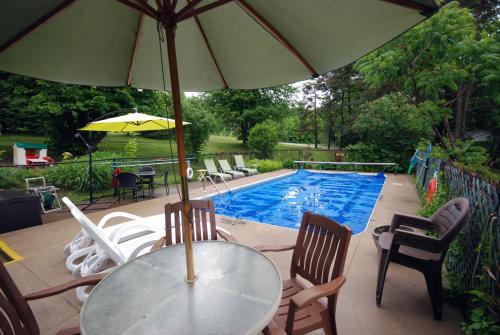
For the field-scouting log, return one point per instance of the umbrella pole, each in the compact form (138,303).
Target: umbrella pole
(181,151)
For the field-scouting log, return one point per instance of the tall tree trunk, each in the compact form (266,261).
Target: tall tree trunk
(463,100)
(341,126)
(244,133)
(315,121)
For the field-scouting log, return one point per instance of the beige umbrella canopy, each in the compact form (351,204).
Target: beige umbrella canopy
(209,44)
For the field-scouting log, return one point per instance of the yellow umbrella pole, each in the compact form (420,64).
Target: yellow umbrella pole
(181,151)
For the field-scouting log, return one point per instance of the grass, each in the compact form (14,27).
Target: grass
(7,140)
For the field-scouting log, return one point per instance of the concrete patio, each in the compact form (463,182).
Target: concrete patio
(405,306)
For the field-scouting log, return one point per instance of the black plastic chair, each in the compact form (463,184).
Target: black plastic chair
(128,181)
(422,252)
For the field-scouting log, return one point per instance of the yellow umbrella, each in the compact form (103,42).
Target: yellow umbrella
(132,122)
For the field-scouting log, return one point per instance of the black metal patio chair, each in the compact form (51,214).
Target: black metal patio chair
(128,181)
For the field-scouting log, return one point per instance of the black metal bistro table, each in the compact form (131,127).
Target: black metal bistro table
(237,291)
(147,178)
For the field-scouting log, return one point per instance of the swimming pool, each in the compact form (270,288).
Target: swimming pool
(347,198)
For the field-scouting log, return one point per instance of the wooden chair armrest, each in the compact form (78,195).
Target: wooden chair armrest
(417,241)
(226,236)
(273,329)
(83,281)
(414,221)
(274,248)
(158,244)
(69,331)
(313,293)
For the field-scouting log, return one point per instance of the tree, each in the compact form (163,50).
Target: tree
(310,108)
(198,132)
(59,110)
(389,128)
(263,138)
(243,109)
(440,64)
(343,93)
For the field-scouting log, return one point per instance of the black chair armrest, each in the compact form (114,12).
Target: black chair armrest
(414,221)
(417,241)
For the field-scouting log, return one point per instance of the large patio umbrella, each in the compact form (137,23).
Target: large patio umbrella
(210,44)
(132,122)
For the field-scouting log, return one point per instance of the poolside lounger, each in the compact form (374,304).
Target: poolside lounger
(240,165)
(107,252)
(83,244)
(226,168)
(212,170)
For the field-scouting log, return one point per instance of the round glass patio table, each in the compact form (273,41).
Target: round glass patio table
(237,291)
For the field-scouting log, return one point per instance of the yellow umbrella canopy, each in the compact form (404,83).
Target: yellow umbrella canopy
(132,122)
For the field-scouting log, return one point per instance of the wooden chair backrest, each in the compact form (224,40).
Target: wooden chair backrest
(203,219)
(16,316)
(321,249)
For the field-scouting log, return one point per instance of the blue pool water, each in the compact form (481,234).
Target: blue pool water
(346,198)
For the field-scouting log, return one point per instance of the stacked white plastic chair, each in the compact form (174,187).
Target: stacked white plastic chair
(97,250)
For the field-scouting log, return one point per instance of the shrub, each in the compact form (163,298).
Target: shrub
(130,149)
(263,138)
(73,174)
(289,164)
(441,197)
(265,165)
(14,178)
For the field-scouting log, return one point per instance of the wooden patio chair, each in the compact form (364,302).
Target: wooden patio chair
(319,257)
(204,227)
(16,316)
(419,251)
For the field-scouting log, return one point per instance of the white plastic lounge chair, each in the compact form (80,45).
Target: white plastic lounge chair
(107,252)
(240,166)
(212,171)
(83,244)
(226,168)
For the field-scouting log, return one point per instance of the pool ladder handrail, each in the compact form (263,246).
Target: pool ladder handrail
(213,183)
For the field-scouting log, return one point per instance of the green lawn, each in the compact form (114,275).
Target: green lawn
(147,147)
(7,140)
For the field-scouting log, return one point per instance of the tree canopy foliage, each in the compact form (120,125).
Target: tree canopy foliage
(59,110)
(240,110)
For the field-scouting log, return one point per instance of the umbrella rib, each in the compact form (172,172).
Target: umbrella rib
(16,38)
(139,8)
(203,9)
(276,34)
(424,10)
(186,9)
(160,125)
(202,32)
(145,4)
(134,48)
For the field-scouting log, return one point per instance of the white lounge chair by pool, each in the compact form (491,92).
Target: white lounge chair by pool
(226,168)
(107,252)
(240,165)
(82,244)
(212,171)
